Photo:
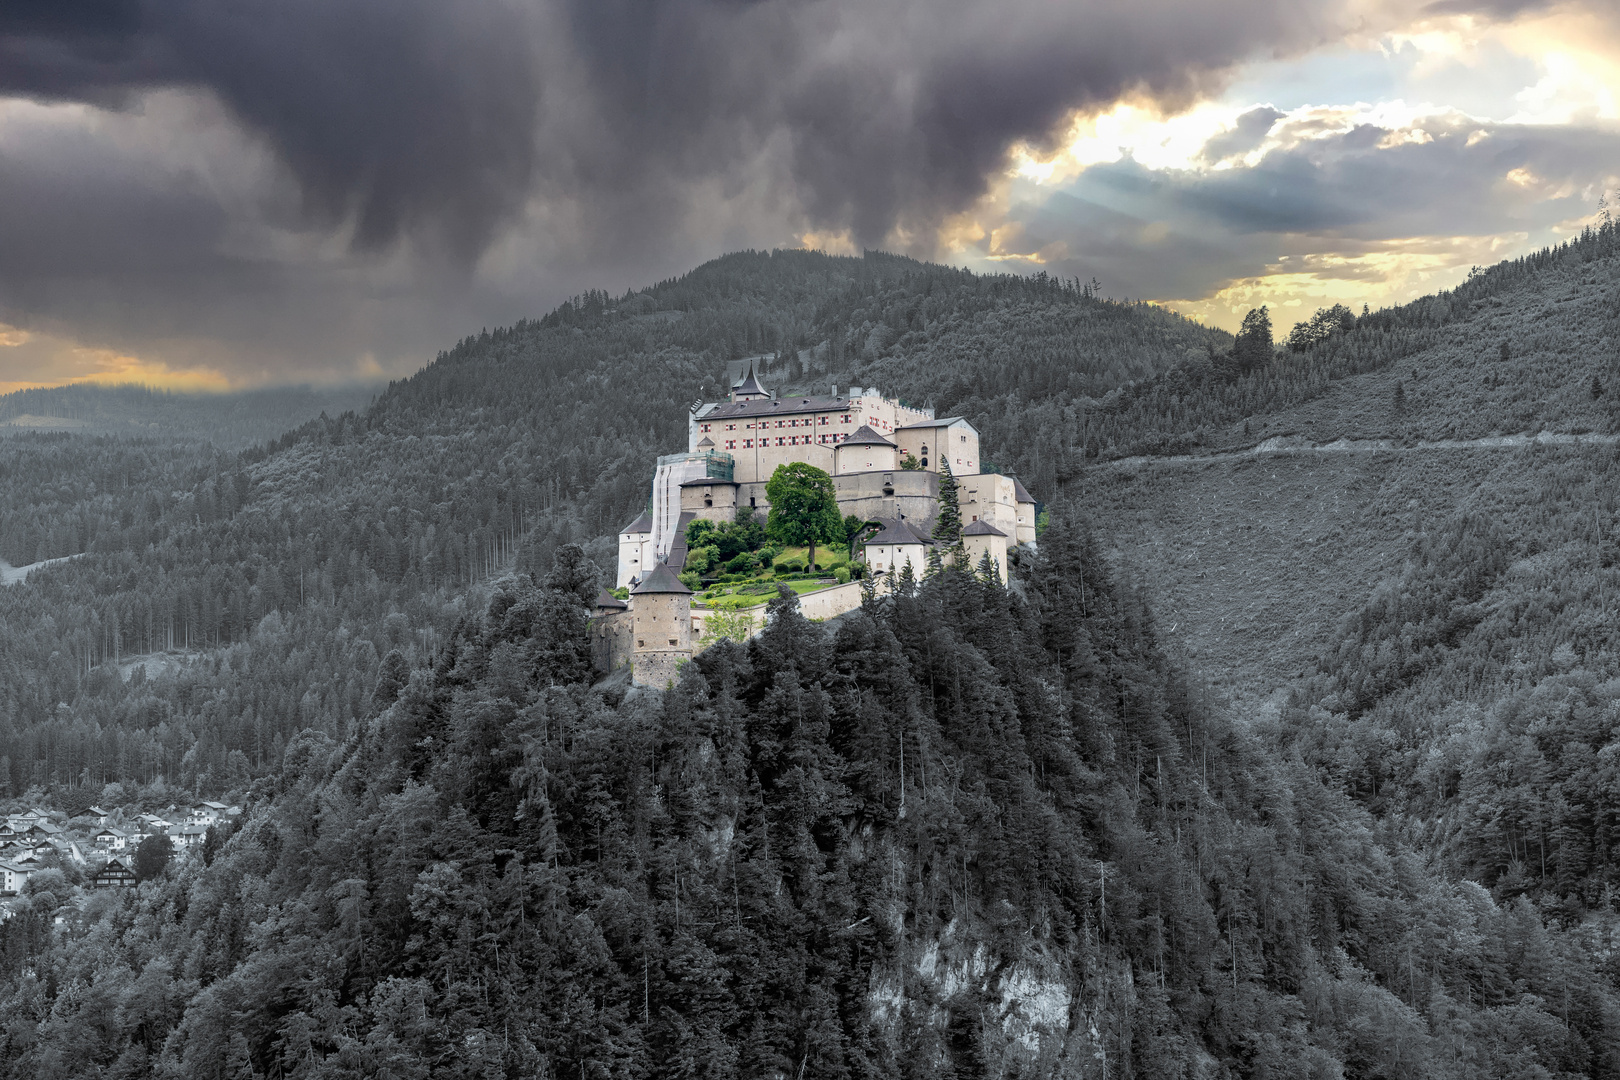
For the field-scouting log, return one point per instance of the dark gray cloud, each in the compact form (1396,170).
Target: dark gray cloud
(299,180)
(396,115)
(414,113)
(1245,135)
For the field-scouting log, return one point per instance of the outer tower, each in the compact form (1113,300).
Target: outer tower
(864,451)
(661,627)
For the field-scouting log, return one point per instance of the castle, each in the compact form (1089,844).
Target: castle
(862,439)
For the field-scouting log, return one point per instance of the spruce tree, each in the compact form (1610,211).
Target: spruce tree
(948,527)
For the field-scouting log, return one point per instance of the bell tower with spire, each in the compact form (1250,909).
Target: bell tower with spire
(748,388)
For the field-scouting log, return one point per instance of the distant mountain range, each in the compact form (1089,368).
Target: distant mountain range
(230,421)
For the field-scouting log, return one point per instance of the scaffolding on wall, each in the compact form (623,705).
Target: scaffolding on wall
(673,471)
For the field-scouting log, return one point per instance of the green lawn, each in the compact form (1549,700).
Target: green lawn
(725,598)
(830,558)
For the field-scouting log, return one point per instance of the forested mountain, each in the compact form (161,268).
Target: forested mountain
(971,831)
(361,532)
(967,834)
(1415,591)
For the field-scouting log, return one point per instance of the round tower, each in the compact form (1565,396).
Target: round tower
(661,627)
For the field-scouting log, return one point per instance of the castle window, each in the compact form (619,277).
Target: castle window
(846,418)
(705,428)
(824,419)
(640,644)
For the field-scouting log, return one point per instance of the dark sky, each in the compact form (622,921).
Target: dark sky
(207,192)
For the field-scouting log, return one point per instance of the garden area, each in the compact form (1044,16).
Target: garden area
(803,543)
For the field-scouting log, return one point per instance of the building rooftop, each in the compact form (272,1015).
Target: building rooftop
(1020,493)
(706,443)
(865,436)
(709,481)
(982,528)
(749,384)
(898,532)
(946,422)
(660,579)
(642,524)
(605,599)
(792,406)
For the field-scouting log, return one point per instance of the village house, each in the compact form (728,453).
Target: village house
(116,874)
(111,839)
(13,875)
(186,837)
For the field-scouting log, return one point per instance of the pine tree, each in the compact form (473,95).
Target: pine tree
(948,528)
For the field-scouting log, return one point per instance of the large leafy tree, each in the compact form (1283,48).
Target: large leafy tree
(153,857)
(1253,348)
(804,507)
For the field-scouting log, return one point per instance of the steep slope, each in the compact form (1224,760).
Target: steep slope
(1255,552)
(967,835)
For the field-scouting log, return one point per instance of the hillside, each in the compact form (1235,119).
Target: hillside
(1254,547)
(1276,760)
(363,531)
(230,421)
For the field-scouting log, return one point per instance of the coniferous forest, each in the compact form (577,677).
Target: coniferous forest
(967,830)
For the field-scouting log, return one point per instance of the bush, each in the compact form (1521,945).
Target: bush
(691,580)
(741,564)
(841,575)
(790,566)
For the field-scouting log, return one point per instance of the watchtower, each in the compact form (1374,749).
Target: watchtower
(661,627)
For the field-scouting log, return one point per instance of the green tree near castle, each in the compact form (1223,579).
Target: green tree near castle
(948,526)
(804,508)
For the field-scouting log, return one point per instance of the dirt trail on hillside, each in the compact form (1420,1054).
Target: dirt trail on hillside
(1294,444)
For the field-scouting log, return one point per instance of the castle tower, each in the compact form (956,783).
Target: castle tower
(661,627)
(864,451)
(748,388)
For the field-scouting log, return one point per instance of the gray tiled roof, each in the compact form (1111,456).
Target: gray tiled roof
(865,436)
(661,579)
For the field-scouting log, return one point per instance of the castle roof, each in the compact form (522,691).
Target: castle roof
(707,442)
(793,406)
(949,421)
(677,548)
(865,436)
(642,524)
(749,384)
(982,528)
(899,532)
(605,599)
(660,579)
(1020,493)
(708,480)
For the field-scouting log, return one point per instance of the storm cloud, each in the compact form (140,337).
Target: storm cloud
(287,185)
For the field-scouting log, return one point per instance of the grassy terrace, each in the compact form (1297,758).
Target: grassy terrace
(747,594)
